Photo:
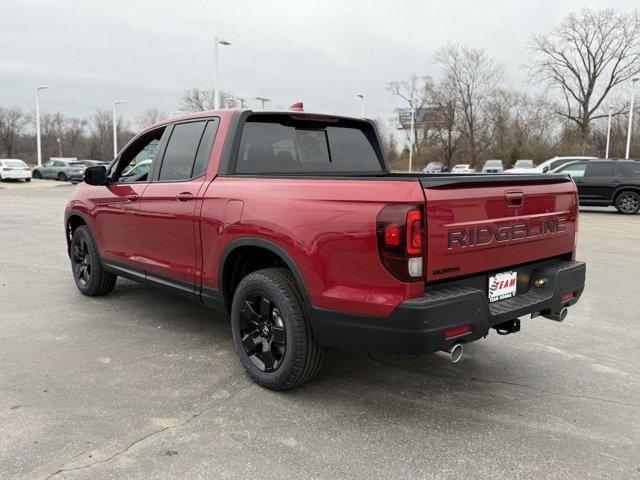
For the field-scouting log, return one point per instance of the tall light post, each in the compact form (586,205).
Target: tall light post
(38,143)
(217,41)
(264,102)
(413,112)
(361,97)
(115,127)
(633,94)
(606,155)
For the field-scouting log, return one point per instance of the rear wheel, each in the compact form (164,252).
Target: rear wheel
(628,203)
(62,177)
(36,174)
(271,330)
(88,272)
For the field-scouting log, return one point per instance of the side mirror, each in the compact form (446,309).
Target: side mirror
(95,175)
(545,169)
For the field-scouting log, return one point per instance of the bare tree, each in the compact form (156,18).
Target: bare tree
(442,97)
(12,123)
(198,99)
(584,58)
(101,139)
(474,77)
(415,92)
(149,117)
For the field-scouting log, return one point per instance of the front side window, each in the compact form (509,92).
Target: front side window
(284,145)
(137,159)
(576,170)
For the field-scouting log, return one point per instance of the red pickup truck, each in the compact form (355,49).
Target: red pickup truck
(293,224)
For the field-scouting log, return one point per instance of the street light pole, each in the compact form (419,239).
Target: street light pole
(412,134)
(606,155)
(38,143)
(115,128)
(633,94)
(361,96)
(217,41)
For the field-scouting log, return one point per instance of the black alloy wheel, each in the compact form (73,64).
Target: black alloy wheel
(62,177)
(81,259)
(262,331)
(36,174)
(628,203)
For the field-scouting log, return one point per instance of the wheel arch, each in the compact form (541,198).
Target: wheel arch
(625,188)
(73,220)
(238,250)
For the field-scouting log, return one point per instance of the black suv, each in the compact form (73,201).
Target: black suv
(607,182)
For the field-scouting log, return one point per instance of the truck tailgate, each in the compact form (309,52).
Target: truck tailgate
(483,223)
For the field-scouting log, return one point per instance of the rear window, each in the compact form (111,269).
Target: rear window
(14,163)
(493,163)
(290,146)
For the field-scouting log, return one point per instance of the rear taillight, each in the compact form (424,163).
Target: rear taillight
(400,233)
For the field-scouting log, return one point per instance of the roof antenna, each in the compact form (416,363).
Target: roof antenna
(297,106)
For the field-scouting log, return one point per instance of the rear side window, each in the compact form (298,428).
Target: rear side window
(634,167)
(602,170)
(311,147)
(180,154)
(204,149)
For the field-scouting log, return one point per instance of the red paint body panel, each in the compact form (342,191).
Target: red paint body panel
(326,225)
(465,207)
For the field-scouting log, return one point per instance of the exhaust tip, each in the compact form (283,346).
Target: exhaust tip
(456,352)
(558,316)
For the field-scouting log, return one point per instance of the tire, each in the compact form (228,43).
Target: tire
(271,331)
(628,202)
(27,180)
(62,177)
(90,276)
(36,174)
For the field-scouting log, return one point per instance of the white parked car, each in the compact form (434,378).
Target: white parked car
(463,168)
(555,162)
(14,169)
(521,166)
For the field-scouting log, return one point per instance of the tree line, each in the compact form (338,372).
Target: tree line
(580,71)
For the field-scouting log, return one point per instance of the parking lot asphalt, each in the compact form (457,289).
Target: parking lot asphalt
(143,385)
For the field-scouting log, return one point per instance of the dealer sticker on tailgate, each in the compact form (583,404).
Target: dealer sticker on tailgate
(502,285)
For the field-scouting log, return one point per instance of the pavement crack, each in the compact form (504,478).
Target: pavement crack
(116,454)
(503,382)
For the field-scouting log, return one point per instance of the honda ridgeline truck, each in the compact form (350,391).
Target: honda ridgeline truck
(292,223)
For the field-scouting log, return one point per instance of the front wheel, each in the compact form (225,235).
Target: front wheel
(36,174)
(271,330)
(62,177)
(90,276)
(628,203)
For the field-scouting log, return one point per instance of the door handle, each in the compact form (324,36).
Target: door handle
(133,197)
(184,196)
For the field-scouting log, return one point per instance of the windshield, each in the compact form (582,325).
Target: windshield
(434,165)
(461,167)
(15,163)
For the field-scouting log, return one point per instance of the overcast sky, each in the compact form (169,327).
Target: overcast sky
(322,52)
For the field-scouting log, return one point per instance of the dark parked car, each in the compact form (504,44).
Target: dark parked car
(435,167)
(607,182)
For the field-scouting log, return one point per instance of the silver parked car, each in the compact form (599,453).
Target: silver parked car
(63,169)
(493,166)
